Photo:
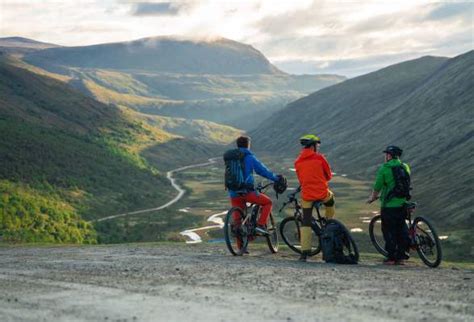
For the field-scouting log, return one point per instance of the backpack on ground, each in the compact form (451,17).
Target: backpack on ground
(332,245)
(402,184)
(234,170)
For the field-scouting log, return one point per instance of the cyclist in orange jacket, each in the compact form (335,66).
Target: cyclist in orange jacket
(313,173)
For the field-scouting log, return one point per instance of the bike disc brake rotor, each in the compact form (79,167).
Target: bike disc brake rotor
(426,244)
(239,230)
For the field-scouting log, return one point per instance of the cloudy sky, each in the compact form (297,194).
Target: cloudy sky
(299,36)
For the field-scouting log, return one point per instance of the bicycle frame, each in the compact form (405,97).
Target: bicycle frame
(252,216)
(299,215)
(410,209)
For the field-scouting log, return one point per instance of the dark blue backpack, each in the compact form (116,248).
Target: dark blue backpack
(332,244)
(402,184)
(234,170)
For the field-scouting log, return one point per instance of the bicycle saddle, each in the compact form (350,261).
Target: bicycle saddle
(317,204)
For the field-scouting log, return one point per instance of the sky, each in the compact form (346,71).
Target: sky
(299,36)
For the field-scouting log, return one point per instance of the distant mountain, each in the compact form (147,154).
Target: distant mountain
(19,45)
(426,106)
(218,80)
(163,54)
(66,157)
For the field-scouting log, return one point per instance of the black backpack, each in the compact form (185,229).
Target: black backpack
(332,244)
(234,170)
(402,184)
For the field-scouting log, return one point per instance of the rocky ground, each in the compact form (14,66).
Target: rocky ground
(175,282)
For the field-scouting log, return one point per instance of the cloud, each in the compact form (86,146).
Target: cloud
(157,8)
(319,35)
(347,67)
(318,18)
(464,10)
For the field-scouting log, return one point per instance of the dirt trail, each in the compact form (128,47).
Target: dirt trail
(169,176)
(202,282)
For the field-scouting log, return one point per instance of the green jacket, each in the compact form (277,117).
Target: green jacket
(384,183)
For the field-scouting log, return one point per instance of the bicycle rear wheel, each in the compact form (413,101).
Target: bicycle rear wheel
(350,248)
(235,234)
(376,235)
(291,235)
(428,245)
(272,237)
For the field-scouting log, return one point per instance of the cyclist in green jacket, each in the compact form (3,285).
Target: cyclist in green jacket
(394,228)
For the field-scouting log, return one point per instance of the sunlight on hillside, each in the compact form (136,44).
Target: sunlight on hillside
(109,96)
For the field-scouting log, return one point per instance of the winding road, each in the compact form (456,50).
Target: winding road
(169,176)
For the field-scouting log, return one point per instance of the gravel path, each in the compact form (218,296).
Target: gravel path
(175,282)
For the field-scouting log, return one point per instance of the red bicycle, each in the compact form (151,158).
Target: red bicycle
(423,236)
(240,230)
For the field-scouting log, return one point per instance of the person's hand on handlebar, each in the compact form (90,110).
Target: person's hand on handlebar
(374,196)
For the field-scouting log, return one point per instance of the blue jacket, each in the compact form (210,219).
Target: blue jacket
(253,164)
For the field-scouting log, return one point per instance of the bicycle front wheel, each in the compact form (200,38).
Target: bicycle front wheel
(376,235)
(291,234)
(235,234)
(428,245)
(272,237)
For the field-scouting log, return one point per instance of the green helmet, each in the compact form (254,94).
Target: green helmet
(309,140)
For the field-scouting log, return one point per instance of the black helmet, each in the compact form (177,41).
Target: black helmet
(393,150)
(280,185)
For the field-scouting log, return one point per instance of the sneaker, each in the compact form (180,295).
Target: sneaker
(401,262)
(243,252)
(389,261)
(303,257)
(405,256)
(261,230)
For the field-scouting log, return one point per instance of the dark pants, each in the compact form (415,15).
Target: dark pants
(395,232)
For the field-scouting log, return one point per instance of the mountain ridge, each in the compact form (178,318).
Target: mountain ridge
(162,54)
(22,46)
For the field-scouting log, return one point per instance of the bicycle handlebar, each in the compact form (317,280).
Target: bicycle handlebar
(291,198)
(261,188)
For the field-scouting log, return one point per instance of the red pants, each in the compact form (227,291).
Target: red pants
(262,200)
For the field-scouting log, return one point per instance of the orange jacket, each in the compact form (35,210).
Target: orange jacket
(313,173)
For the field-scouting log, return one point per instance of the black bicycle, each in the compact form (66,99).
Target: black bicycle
(290,229)
(423,236)
(240,224)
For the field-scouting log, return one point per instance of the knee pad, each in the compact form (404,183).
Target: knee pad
(330,202)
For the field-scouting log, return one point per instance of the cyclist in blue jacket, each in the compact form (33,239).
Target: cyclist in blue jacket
(241,197)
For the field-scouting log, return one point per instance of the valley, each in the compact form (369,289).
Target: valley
(107,130)
(220,80)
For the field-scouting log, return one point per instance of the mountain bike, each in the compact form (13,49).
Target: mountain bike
(423,236)
(290,229)
(239,231)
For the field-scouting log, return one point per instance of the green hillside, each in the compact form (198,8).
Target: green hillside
(199,130)
(221,80)
(425,106)
(67,159)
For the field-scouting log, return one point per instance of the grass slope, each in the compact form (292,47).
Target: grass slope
(57,144)
(67,158)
